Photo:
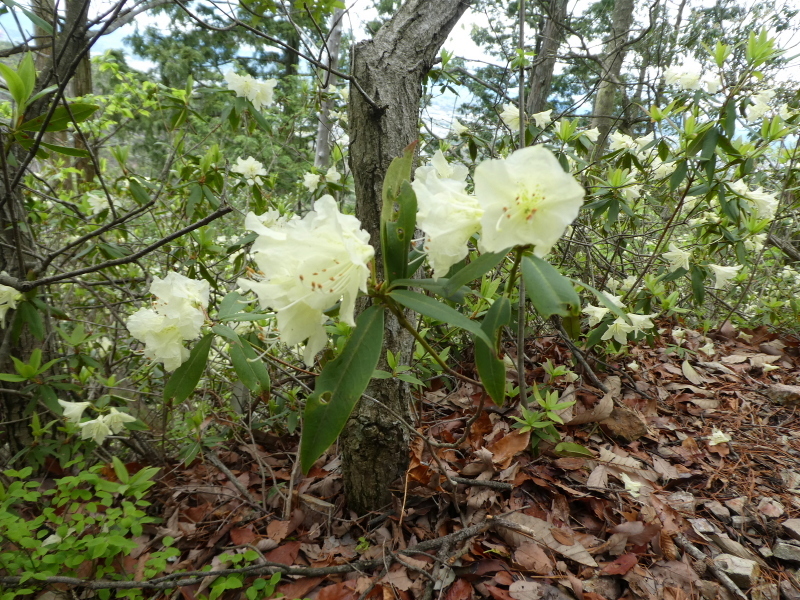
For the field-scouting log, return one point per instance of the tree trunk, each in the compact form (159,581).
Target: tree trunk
(390,69)
(542,75)
(614,55)
(322,154)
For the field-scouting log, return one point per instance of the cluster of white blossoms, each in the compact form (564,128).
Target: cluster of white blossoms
(510,116)
(250,169)
(97,429)
(619,328)
(760,105)
(307,266)
(178,316)
(260,93)
(311,181)
(524,199)
(8,300)
(96,202)
(691,79)
(766,204)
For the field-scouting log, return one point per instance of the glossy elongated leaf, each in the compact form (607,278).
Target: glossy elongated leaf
(184,380)
(437,286)
(249,367)
(80,152)
(434,309)
(491,368)
(550,292)
(80,111)
(678,175)
(139,192)
(477,268)
(398,215)
(339,387)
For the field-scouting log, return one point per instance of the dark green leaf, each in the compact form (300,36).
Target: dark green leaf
(437,286)
(184,380)
(62,117)
(439,311)
(339,387)
(698,289)
(477,268)
(249,367)
(678,175)
(550,292)
(66,150)
(138,192)
(226,332)
(491,369)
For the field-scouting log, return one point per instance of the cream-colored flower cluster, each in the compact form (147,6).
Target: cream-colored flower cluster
(308,265)
(526,199)
(260,93)
(96,429)
(178,315)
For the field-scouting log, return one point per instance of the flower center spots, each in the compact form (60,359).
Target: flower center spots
(523,208)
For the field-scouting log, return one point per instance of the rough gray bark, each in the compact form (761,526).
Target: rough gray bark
(322,154)
(390,69)
(613,57)
(542,76)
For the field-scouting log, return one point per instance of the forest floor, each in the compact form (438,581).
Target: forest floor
(663,508)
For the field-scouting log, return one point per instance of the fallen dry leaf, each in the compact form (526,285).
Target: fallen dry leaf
(540,531)
(622,565)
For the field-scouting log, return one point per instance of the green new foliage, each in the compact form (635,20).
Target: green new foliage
(340,386)
(83,520)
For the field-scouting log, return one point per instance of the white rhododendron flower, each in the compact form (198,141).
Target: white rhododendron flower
(8,300)
(620,141)
(713,83)
(643,141)
(542,118)
(97,203)
(332,175)
(457,127)
(631,192)
(309,265)
(592,134)
(718,437)
(615,300)
(178,317)
(311,181)
(633,366)
(163,337)
(116,420)
(250,169)
(446,213)
(678,259)
(683,78)
(260,93)
(723,275)
(96,430)
(619,330)
(73,411)
(595,313)
(641,322)
(766,204)
(510,116)
(662,169)
(527,199)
